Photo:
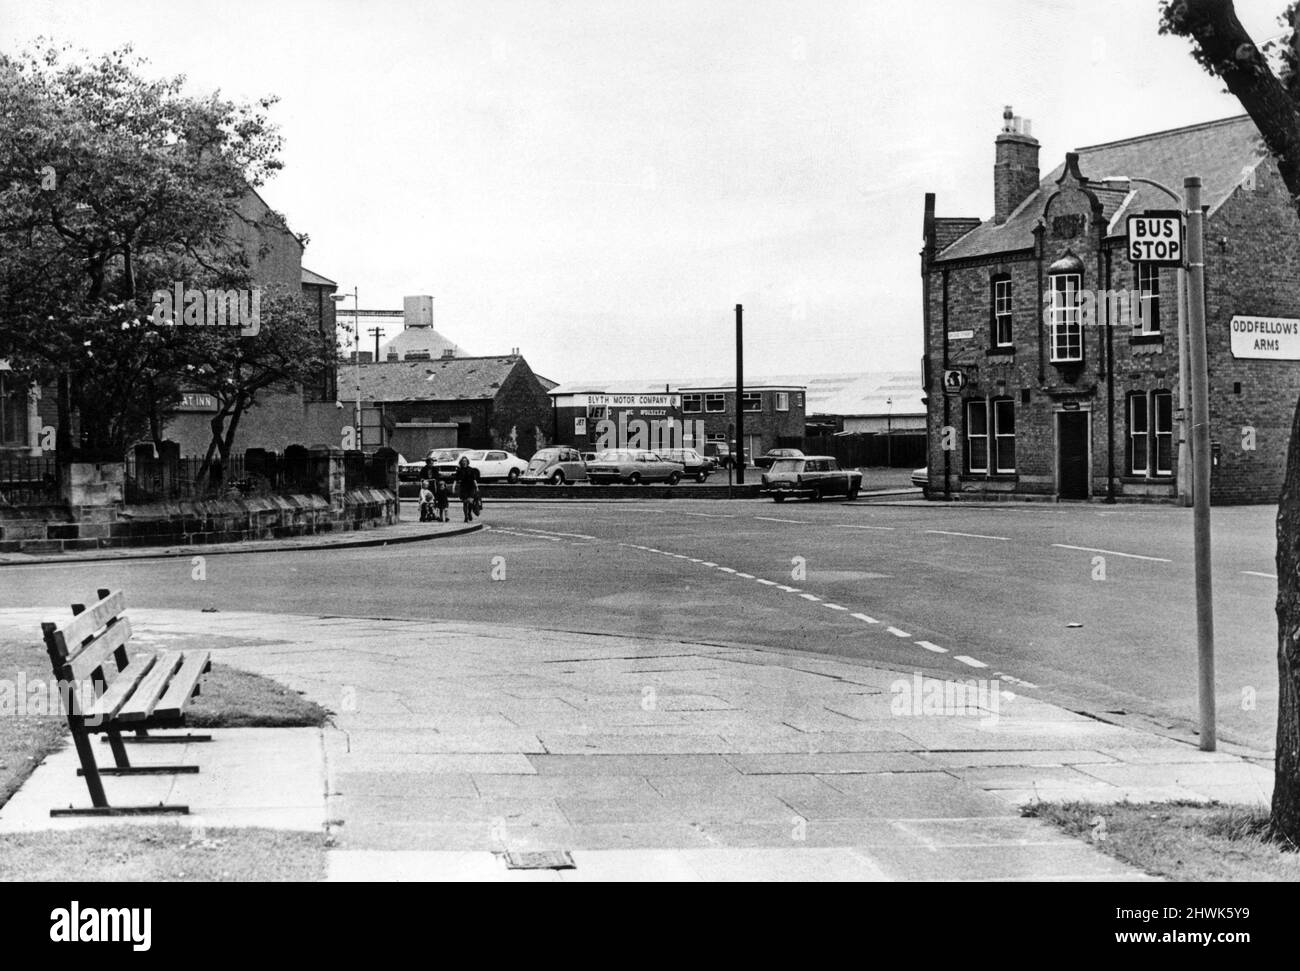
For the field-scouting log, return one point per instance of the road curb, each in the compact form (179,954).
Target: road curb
(272,546)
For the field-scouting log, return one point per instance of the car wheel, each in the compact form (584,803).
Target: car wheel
(557,478)
(634,478)
(673,478)
(778,498)
(513,476)
(702,477)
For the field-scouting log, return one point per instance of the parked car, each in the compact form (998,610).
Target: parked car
(921,480)
(589,457)
(633,466)
(445,461)
(496,464)
(694,465)
(556,466)
(810,476)
(721,453)
(765,460)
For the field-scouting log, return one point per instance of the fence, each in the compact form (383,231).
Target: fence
(871,451)
(257,472)
(28,480)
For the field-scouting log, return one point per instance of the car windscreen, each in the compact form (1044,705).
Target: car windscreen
(793,466)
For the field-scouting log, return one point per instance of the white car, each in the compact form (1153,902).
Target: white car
(496,464)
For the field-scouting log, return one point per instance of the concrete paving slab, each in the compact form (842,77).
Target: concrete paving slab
(1058,861)
(270,777)
(828,763)
(642,765)
(1024,757)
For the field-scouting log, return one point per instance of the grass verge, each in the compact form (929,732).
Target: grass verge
(156,853)
(1180,841)
(30,728)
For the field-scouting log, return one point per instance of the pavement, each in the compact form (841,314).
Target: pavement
(642,758)
(402,532)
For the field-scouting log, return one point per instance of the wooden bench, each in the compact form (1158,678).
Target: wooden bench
(107,689)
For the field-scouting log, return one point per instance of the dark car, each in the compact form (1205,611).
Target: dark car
(811,477)
(765,461)
(721,453)
(694,465)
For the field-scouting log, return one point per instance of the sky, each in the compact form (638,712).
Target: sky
(600,183)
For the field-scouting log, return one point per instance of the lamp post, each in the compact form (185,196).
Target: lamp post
(889,433)
(356,357)
(1184,483)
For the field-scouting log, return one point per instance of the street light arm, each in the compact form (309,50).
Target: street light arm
(1151,182)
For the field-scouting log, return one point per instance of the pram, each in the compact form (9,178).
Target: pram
(433,503)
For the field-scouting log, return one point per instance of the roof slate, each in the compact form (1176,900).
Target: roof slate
(447,379)
(1220,152)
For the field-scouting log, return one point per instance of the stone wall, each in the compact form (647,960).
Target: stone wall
(196,523)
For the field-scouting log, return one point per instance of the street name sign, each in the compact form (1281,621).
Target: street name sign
(1156,237)
(1266,338)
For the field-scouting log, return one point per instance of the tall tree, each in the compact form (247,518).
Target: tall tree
(1267,83)
(114,186)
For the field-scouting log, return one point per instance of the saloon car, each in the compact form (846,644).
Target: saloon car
(633,466)
(694,465)
(496,464)
(766,460)
(445,460)
(811,477)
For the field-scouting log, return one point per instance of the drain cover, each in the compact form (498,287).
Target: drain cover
(541,860)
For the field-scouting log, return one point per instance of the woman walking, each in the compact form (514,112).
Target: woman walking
(467,487)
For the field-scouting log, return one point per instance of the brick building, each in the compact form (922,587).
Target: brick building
(473,402)
(774,415)
(1051,361)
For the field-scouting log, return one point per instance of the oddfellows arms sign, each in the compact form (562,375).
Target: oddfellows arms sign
(1266,338)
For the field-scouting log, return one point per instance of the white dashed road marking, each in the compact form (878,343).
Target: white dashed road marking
(969,661)
(854,526)
(898,633)
(1266,576)
(944,532)
(1131,556)
(770,519)
(834,607)
(932,647)
(709,515)
(865,619)
(811,596)
(767,583)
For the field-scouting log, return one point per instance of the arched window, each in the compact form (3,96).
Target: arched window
(1065,319)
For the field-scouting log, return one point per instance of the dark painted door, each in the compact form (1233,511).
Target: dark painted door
(1072,454)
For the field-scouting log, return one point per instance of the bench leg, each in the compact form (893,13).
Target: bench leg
(124,766)
(142,737)
(86,753)
(99,800)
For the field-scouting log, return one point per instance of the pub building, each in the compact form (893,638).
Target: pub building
(1041,384)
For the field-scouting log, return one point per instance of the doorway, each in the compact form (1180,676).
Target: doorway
(1072,466)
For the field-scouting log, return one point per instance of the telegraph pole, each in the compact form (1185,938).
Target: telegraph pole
(1200,458)
(739,458)
(375,332)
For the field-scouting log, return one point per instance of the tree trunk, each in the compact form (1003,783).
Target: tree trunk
(1286,782)
(1228,51)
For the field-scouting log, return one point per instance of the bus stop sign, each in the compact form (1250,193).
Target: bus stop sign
(1156,237)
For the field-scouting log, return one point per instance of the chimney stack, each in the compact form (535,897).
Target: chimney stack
(1015,168)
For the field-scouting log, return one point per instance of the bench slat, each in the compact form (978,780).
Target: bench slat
(112,700)
(181,689)
(145,697)
(99,652)
(69,635)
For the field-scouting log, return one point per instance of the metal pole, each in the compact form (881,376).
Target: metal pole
(740,395)
(356,359)
(1200,459)
(1184,450)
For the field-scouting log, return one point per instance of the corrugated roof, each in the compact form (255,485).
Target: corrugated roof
(1220,152)
(856,393)
(447,379)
